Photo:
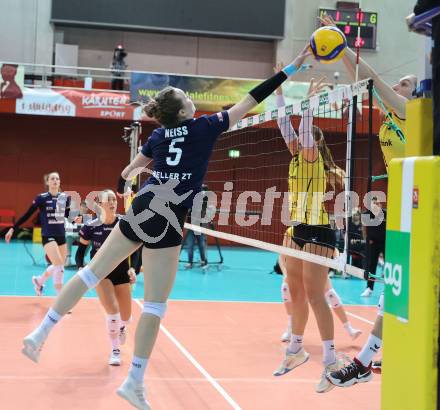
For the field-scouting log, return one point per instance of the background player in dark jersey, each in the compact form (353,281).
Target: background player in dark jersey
(180,150)
(53,206)
(114,291)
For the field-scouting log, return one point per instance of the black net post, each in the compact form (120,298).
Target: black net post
(349,203)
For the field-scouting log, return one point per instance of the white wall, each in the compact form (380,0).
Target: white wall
(398,52)
(25,33)
(30,38)
(174,53)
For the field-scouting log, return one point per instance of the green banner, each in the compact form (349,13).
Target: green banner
(210,93)
(396,273)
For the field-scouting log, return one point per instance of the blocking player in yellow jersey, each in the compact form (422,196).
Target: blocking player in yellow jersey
(392,140)
(310,170)
(394,97)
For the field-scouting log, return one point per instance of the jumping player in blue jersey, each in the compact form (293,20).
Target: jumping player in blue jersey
(54,206)
(180,150)
(114,292)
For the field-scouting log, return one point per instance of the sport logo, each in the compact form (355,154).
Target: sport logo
(160,204)
(289,109)
(239,124)
(274,114)
(305,105)
(250,121)
(262,117)
(323,99)
(393,277)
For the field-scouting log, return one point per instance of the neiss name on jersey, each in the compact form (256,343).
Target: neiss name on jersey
(176,132)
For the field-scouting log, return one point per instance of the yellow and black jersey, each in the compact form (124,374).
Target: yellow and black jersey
(391,144)
(307,187)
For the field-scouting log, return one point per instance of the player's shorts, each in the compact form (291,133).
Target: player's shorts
(322,235)
(119,276)
(155,232)
(60,240)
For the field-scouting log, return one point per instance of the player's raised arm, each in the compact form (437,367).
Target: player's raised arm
(391,98)
(305,131)
(263,90)
(287,131)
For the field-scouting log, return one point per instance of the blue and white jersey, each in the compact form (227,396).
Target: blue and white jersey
(52,209)
(183,153)
(96,232)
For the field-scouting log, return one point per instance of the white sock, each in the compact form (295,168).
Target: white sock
(328,352)
(125,323)
(369,350)
(137,368)
(49,321)
(289,323)
(295,345)
(114,327)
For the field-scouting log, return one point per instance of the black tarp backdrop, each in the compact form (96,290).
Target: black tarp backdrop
(257,19)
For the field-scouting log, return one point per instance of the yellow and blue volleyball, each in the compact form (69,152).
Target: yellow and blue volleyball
(328,44)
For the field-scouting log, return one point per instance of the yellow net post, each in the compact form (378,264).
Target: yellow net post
(411,274)
(419,127)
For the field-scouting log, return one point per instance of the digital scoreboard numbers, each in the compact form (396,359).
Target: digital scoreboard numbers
(347,21)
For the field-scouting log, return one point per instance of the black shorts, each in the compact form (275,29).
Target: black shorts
(60,240)
(159,230)
(119,276)
(322,235)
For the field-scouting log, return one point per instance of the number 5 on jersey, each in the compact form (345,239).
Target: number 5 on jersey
(175,150)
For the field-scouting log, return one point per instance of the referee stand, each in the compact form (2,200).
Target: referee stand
(217,264)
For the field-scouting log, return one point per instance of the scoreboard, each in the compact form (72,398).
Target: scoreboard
(348,20)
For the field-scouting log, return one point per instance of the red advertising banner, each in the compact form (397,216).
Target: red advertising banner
(77,103)
(107,105)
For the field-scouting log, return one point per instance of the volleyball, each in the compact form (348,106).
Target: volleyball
(328,44)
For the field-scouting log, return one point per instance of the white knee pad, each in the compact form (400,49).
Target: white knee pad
(58,274)
(380,305)
(88,277)
(333,298)
(285,292)
(155,308)
(113,324)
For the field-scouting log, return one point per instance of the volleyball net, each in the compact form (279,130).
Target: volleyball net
(259,188)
